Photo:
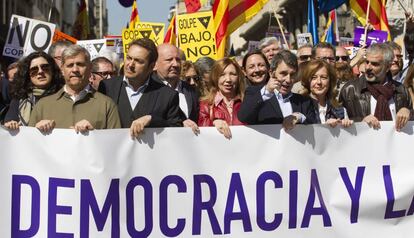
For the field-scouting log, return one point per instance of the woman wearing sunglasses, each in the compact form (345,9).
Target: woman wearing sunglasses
(37,76)
(319,80)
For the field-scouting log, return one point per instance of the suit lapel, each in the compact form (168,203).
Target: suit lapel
(275,104)
(147,101)
(296,104)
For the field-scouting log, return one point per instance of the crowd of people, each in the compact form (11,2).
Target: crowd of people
(158,87)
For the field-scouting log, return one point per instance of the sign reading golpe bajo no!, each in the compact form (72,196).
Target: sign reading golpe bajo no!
(196,35)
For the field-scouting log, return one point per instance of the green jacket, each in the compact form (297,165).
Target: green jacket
(95,107)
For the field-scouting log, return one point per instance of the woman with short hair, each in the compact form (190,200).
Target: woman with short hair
(319,80)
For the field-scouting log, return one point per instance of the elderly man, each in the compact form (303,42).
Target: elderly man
(102,68)
(76,105)
(274,103)
(269,47)
(168,68)
(142,101)
(324,51)
(56,50)
(398,67)
(375,97)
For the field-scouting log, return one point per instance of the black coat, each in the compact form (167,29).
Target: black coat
(191,97)
(158,100)
(256,111)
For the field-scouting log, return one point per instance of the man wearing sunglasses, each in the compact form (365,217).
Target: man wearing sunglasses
(324,51)
(304,53)
(76,105)
(102,68)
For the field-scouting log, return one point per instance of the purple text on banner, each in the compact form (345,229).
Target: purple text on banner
(374,36)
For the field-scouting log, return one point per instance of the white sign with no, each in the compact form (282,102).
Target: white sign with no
(27,35)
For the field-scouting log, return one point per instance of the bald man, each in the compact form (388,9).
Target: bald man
(168,68)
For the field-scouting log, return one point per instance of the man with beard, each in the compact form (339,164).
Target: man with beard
(274,103)
(142,102)
(167,71)
(375,97)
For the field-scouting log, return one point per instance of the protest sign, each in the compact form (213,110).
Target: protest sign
(157,30)
(303,39)
(128,35)
(375,36)
(196,35)
(94,47)
(26,36)
(58,36)
(114,44)
(314,181)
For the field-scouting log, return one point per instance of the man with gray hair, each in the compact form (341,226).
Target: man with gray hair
(56,50)
(375,97)
(77,105)
(269,46)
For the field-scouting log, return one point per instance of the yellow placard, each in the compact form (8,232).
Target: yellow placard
(157,30)
(128,35)
(196,35)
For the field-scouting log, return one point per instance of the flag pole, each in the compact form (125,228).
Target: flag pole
(280,26)
(367,22)
(50,11)
(402,6)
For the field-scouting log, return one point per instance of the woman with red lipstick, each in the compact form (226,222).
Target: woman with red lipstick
(37,76)
(220,106)
(319,79)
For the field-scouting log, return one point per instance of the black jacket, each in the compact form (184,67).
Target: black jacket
(158,100)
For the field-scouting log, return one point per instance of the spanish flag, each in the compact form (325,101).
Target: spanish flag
(377,13)
(134,16)
(171,35)
(81,26)
(231,14)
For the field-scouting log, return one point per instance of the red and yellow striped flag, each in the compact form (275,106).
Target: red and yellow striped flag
(134,16)
(171,35)
(81,25)
(377,13)
(231,14)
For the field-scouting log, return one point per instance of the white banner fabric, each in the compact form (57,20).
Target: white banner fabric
(313,181)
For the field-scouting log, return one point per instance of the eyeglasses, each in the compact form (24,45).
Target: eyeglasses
(189,78)
(343,58)
(33,71)
(305,57)
(105,74)
(327,59)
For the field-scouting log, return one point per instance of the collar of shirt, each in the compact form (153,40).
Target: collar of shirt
(81,95)
(179,87)
(131,89)
(284,98)
(219,98)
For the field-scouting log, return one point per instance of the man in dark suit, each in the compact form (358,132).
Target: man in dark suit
(168,69)
(142,101)
(274,103)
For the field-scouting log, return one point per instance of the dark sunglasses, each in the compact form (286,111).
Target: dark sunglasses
(33,71)
(343,58)
(195,78)
(105,74)
(305,57)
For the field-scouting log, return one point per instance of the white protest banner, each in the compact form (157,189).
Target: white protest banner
(314,181)
(26,36)
(94,47)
